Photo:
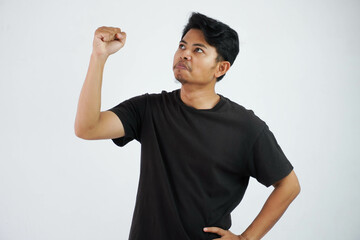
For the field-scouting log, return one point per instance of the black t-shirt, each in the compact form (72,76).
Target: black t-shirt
(195,164)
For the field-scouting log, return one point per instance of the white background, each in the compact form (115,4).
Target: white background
(298,70)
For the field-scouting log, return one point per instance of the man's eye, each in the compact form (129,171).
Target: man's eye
(181,46)
(199,50)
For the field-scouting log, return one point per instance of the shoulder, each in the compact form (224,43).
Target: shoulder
(245,115)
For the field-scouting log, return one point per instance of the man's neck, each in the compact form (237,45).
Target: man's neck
(199,97)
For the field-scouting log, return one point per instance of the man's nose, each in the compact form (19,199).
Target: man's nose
(186,55)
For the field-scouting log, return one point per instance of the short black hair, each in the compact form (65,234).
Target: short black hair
(218,35)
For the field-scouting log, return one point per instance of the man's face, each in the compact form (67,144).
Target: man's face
(195,60)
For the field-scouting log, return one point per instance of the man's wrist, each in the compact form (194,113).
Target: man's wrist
(99,57)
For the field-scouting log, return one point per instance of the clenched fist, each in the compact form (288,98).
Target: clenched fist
(108,40)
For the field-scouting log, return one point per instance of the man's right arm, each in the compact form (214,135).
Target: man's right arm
(90,122)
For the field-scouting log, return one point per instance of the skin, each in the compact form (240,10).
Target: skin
(90,122)
(196,68)
(198,77)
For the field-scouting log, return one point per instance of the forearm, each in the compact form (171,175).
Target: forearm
(273,209)
(88,111)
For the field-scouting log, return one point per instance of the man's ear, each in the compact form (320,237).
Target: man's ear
(222,68)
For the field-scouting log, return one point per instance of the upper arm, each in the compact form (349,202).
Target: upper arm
(109,126)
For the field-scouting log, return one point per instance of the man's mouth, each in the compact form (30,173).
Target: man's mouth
(181,65)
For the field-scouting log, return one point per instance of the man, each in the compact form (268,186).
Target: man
(198,148)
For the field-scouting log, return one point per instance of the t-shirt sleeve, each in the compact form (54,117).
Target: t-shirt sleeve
(269,163)
(131,113)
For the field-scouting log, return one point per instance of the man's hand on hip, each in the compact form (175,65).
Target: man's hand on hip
(225,234)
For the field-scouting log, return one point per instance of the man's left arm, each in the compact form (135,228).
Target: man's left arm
(284,193)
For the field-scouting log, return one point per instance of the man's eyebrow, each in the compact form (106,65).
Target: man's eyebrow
(195,44)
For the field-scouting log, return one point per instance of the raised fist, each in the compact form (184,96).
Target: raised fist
(108,40)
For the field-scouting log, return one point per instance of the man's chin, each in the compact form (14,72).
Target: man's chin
(180,79)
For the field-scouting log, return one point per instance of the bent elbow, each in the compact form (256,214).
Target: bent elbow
(297,188)
(81,133)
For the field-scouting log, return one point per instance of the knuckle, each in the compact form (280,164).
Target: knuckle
(101,28)
(105,29)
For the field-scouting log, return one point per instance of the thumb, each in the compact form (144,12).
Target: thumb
(216,230)
(120,36)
